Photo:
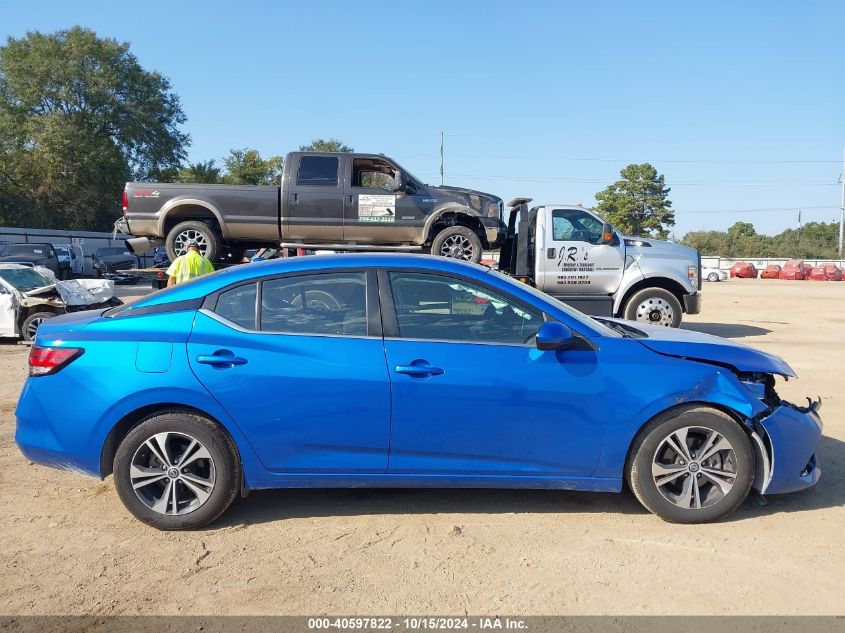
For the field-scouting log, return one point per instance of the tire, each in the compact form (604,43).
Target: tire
(712,277)
(457,242)
(652,457)
(30,324)
(182,233)
(215,460)
(654,306)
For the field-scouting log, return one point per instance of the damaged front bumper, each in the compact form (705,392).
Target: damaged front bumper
(785,444)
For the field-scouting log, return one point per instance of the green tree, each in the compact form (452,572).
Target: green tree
(817,240)
(638,203)
(323,145)
(246,167)
(78,117)
(202,172)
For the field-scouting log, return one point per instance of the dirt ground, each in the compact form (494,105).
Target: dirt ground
(67,546)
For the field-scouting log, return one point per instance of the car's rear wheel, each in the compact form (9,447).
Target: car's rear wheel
(713,277)
(30,325)
(186,232)
(457,242)
(691,465)
(177,471)
(654,306)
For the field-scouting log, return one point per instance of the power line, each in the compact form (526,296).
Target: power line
(624,160)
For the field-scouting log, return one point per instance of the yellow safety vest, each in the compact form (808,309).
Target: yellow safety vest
(189,266)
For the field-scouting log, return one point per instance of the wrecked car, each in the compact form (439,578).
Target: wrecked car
(29,296)
(402,371)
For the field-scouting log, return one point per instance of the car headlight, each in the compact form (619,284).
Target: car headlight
(492,210)
(475,202)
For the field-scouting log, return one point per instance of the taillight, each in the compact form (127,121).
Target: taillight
(125,201)
(44,361)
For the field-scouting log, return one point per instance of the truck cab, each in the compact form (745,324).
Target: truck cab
(572,254)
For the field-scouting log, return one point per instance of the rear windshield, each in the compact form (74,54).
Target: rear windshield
(27,249)
(24,279)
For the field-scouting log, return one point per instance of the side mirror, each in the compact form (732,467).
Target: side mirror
(401,184)
(606,234)
(553,336)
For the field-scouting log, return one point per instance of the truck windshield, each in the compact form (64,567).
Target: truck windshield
(24,279)
(589,322)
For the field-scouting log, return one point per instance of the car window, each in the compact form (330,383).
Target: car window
(24,279)
(436,307)
(238,305)
(317,170)
(573,225)
(317,304)
(372,173)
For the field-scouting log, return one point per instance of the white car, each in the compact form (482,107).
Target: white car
(713,274)
(30,295)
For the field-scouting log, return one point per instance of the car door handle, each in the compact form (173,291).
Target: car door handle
(419,369)
(221,359)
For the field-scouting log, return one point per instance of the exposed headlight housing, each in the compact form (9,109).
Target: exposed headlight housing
(492,210)
(692,273)
(475,202)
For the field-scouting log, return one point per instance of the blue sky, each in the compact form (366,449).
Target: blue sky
(541,99)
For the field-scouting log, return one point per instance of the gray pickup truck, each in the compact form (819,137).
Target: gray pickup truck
(340,201)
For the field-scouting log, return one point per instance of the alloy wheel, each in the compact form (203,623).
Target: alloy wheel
(183,238)
(32,328)
(694,467)
(457,247)
(172,473)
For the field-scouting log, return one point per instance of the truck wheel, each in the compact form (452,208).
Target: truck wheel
(186,232)
(457,242)
(30,324)
(654,306)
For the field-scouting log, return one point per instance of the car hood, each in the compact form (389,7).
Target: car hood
(460,193)
(115,259)
(709,349)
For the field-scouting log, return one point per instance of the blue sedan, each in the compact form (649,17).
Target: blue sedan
(402,371)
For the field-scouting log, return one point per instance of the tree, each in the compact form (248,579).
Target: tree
(202,172)
(638,203)
(818,240)
(246,167)
(322,145)
(78,117)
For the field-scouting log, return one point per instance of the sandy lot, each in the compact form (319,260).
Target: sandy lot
(69,547)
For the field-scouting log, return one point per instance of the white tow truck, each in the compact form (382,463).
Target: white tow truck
(569,252)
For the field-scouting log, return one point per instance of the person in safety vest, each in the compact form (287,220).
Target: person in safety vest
(188,266)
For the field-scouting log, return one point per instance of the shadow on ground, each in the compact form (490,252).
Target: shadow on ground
(727,330)
(265,506)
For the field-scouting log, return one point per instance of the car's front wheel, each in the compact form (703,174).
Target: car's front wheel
(30,325)
(691,465)
(713,277)
(177,471)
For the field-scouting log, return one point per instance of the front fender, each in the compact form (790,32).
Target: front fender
(441,211)
(640,387)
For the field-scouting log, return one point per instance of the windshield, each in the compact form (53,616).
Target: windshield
(27,249)
(589,322)
(114,250)
(24,279)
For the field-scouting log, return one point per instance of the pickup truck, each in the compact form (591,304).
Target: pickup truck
(572,254)
(30,254)
(339,201)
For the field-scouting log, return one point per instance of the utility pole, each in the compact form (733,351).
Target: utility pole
(441,177)
(842,203)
